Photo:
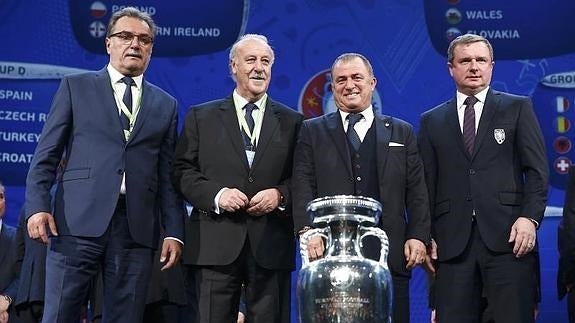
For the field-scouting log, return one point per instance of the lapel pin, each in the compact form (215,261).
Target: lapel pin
(387,124)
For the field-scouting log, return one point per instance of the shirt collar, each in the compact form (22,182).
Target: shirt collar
(480,97)
(240,102)
(116,76)
(368,114)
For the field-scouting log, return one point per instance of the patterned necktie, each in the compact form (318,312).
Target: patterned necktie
(352,135)
(469,124)
(249,107)
(127,100)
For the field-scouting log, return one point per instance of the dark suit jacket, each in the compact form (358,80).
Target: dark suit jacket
(500,181)
(210,155)
(566,239)
(84,123)
(32,255)
(9,266)
(322,167)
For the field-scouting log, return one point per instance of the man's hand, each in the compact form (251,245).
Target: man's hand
(430,258)
(37,226)
(4,317)
(523,234)
(315,248)
(241,318)
(414,251)
(232,200)
(4,304)
(264,202)
(171,251)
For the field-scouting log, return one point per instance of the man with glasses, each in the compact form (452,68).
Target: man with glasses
(118,133)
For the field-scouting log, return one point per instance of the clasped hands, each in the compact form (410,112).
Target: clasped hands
(263,202)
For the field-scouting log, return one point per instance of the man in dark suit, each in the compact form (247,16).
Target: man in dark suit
(566,245)
(118,134)
(487,177)
(385,166)
(9,265)
(233,164)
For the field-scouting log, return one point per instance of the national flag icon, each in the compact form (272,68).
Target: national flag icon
(562,145)
(98,9)
(562,124)
(453,16)
(97,29)
(562,104)
(452,33)
(562,165)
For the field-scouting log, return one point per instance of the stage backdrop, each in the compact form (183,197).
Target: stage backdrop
(406,40)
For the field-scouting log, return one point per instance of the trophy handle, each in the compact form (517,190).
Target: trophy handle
(382,236)
(304,239)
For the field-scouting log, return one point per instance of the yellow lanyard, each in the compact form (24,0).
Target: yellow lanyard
(130,114)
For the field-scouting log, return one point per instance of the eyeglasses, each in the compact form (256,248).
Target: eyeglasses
(126,38)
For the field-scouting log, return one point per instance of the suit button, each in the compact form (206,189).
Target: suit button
(472,172)
(359,178)
(251,179)
(469,199)
(120,171)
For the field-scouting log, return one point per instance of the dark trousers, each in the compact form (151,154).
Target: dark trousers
(571,306)
(29,312)
(400,305)
(72,262)
(218,290)
(507,283)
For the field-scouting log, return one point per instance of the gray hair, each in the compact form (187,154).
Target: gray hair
(346,57)
(132,13)
(465,40)
(242,39)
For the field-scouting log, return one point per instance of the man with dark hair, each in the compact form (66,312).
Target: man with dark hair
(118,132)
(487,176)
(382,162)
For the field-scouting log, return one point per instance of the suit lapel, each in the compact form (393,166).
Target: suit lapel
(489,109)
(270,123)
(454,128)
(103,85)
(231,126)
(335,129)
(145,104)
(383,129)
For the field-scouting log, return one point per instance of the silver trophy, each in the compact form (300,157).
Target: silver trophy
(344,286)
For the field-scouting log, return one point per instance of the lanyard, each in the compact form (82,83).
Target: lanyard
(244,126)
(131,115)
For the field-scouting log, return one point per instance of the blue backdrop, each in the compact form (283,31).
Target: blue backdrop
(406,41)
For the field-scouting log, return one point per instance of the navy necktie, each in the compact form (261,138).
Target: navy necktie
(352,135)
(249,107)
(469,124)
(127,100)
